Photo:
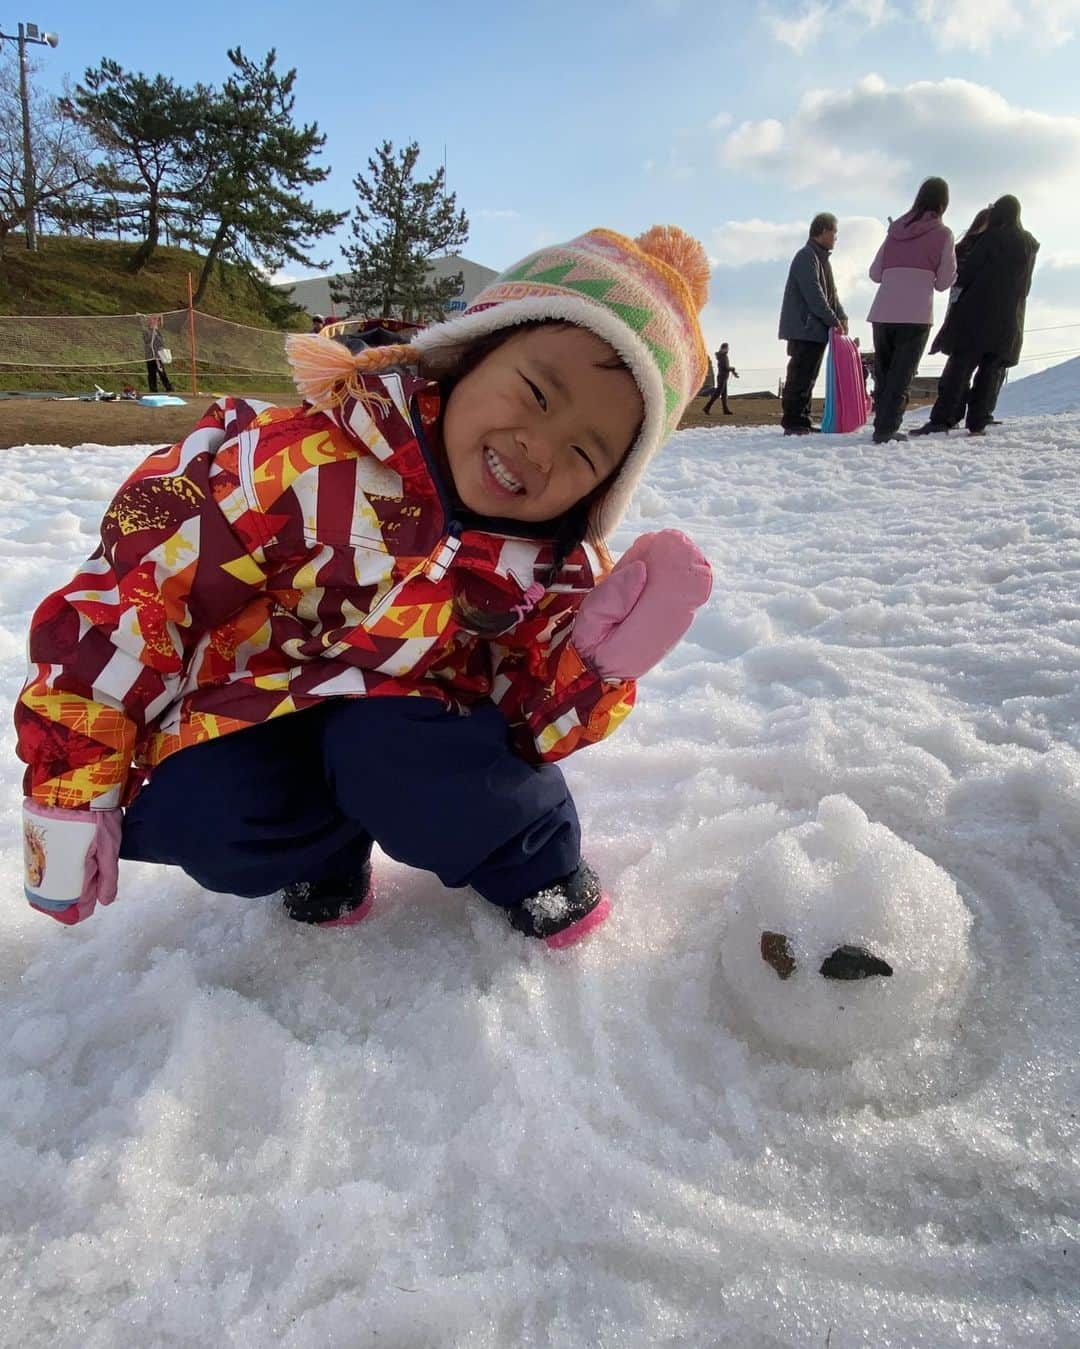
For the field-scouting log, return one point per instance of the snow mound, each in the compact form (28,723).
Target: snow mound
(1050,391)
(844,940)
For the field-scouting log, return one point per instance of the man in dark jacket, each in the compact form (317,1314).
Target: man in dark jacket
(810,309)
(724,371)
(983,331)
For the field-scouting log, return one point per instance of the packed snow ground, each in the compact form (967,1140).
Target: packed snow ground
(222,1129)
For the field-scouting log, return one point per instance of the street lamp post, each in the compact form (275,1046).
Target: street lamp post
(28,32)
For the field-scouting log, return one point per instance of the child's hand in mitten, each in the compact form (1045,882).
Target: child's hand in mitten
(72,859)
(640,611)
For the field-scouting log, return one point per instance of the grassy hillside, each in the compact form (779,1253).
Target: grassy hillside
(87,282)
(90,276)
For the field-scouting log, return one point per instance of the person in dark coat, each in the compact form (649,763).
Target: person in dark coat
(811,308)
(964,245)
(724,371)
(983,331)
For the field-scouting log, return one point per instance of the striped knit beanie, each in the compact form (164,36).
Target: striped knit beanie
(642,296)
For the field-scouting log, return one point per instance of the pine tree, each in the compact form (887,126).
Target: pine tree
(249,165)
(146,127)
(401,222)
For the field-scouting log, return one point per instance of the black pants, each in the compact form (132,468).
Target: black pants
(302,797)
(957,389)
(153,370)
(719,392)
(898,348)
(804,363)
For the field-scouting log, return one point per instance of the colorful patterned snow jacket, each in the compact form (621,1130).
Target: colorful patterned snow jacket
(277,557)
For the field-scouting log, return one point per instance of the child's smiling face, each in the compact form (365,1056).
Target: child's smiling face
(539,423)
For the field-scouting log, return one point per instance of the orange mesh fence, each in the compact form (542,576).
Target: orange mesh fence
(90,348)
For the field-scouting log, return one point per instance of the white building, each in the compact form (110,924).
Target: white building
(312,293)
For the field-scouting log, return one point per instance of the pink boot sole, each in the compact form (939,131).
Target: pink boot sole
(576,931)
(354,916)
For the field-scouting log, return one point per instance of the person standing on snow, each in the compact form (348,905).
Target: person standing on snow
(983,332)
(810,309)
(724,371)
(381,616)
(916,258)
(964,245)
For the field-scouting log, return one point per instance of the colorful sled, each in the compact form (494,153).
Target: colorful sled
(846,403)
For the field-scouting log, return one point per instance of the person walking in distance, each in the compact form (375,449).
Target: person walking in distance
(916,258)
(724,370)
(153,349)
(811,308)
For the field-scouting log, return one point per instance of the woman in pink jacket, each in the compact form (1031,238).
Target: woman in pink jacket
(916,258)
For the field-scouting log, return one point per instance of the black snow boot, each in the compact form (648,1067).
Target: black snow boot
(338,902)
(563,912)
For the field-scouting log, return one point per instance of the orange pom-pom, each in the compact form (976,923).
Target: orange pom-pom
(683,254)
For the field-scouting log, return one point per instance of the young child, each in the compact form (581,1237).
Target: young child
(381,616)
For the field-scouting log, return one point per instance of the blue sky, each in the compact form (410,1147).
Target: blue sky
(738,123)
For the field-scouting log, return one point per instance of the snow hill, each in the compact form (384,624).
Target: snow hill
(220,1129)
(1054,390)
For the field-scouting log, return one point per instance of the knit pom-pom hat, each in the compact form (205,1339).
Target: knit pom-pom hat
(642,296)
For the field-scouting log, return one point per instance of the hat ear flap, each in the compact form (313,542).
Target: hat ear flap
(326,373)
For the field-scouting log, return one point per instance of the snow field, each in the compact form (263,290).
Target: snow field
(219,1129)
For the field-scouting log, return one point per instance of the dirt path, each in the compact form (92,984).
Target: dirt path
(33,421)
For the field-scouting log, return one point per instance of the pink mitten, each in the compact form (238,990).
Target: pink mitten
(637,614)
(72,859)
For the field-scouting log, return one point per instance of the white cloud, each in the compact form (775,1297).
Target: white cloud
(978,24)
(877,138)
(735,243)
(485,213)
(801,30)
(974,25)
(1060,19)
(872,12)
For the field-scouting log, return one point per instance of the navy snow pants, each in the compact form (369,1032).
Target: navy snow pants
(302,798)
